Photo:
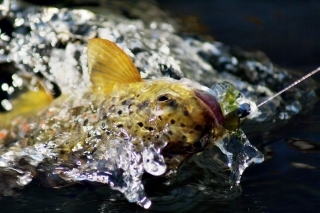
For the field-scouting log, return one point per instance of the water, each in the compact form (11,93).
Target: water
(286,182)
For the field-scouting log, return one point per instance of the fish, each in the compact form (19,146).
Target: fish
(113,132)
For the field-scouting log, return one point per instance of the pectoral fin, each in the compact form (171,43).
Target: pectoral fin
(27,103)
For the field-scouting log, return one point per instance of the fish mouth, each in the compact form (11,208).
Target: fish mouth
(212,104)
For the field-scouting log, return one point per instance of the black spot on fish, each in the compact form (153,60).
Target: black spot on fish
(185,112)
(172,121)
(140,124)
(85,122)
(150,129)
(119,112)
(184,137)
(170,132)
(62,152)
(182,125)
(120,125)
(143,105)
(124,102)
(198,128)
(104,116)
(173,104)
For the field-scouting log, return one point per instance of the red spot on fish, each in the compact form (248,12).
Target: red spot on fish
(3,134)
(25,127)
(49,114)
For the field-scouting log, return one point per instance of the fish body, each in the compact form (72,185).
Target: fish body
(121,128)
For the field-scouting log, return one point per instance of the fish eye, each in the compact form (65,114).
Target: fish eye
(163,98)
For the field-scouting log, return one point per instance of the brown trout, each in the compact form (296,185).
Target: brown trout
(122,127)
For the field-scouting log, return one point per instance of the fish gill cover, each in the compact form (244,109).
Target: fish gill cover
(50,43)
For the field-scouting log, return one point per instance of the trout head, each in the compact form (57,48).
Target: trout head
(175,118)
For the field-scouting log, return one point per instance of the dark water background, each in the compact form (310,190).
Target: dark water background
(288,32)
(289,179)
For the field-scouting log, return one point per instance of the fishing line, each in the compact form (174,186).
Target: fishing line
(291,85)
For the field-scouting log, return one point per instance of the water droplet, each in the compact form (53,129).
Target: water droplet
(145,203)
(240,154)
(6,104)
(153,161)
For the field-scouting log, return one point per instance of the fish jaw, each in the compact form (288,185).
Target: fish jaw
(212,105)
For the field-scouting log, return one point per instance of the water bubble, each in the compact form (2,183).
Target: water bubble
(153,161)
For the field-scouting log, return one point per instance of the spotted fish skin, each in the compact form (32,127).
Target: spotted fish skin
(121,128)
(143,113)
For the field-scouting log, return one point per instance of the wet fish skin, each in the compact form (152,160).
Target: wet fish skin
(163,119)
(143,112)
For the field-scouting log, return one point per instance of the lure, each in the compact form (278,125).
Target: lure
(122,127)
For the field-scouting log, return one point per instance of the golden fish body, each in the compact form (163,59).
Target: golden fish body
(123,127)
(165,112)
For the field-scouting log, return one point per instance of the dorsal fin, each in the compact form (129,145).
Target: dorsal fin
(109,65)
(27,103)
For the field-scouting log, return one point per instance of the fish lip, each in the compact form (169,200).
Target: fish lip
(212,104)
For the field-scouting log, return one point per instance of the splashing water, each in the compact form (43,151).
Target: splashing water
(115,160)
(117,163)
(120,166)
(240,153)
(153,161)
